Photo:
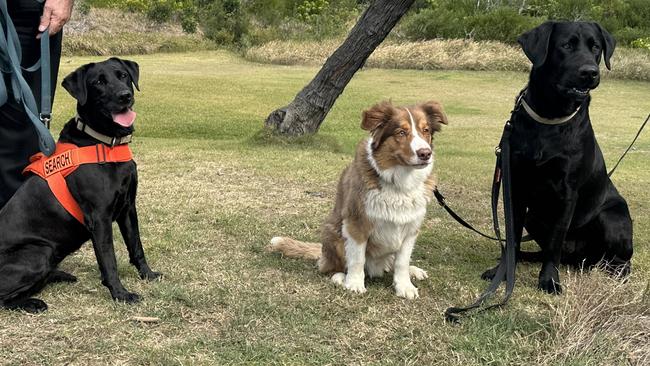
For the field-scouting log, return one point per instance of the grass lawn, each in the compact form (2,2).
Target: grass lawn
(214,190)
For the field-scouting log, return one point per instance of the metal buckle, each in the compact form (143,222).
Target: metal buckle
(113,141)
(497,150)
(45,118)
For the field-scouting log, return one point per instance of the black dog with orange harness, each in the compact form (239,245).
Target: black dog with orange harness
(77,193)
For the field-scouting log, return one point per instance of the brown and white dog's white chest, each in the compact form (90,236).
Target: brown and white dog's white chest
(397,209)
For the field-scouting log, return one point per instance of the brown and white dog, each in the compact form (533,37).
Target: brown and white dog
(381,201)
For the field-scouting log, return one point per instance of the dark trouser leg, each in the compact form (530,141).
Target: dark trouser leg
(18,139)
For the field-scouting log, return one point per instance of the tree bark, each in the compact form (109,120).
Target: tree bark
(306,112)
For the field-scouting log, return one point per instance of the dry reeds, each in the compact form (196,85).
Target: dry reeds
(601,318)
(439,54)
(106,32)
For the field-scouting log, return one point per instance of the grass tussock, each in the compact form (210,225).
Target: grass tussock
(97,44)
(601,318)
(104,32)
(439,54)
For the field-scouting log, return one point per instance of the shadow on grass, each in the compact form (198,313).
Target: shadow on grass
(268,138)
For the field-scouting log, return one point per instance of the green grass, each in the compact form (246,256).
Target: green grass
(214,189)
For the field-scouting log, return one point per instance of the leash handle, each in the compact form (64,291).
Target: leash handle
(11,56)
(46,80)
(511,244)
(507,263)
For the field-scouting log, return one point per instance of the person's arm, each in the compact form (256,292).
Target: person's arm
(55,14)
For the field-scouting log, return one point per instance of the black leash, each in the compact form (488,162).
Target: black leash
(442,201)
(507,262)
(629,147)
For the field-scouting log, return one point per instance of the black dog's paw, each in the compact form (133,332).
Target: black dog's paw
(618,269)
(32,306)
(550,284)
(151,276)
(60,276)
(489,274)
(622,272)
(127,297)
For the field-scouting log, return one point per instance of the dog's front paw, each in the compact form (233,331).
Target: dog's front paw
(354,284)
(418,273)
(31,305)
(550,286)
(338,278)
(549,280)
(618,269)
(489,274)
(127,297)
(406,290)
(151,275)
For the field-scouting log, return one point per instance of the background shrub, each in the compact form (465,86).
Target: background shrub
(503,24)
(250,22)
(504,20)
(222,21)
(641,43)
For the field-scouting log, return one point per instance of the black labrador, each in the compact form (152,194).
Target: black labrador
(561,192)
(37,233)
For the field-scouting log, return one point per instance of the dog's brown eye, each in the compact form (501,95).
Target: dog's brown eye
(425,130)
(98,82)
(567,46)
(122,75)
(402,133)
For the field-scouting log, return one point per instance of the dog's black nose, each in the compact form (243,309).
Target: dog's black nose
(588,72)
(125,96)
(424,154)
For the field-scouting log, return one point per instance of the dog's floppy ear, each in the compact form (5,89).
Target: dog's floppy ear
(535,43)
(75,84)
(377,115)
(132,68)
(608,42)
(435,114)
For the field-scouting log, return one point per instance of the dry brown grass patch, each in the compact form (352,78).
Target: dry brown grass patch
(438,54)
(601,318)
(107,32)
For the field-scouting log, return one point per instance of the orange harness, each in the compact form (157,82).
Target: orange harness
(65,160)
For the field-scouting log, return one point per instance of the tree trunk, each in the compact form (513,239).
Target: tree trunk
(307,111)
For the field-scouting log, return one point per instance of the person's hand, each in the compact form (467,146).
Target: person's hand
(55,14)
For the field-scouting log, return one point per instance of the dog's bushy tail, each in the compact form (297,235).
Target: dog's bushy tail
(294,248)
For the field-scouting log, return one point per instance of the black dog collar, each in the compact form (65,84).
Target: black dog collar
(111,141)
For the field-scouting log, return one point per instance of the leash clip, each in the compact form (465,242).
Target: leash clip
(439,197)
(497,150)
(45,118)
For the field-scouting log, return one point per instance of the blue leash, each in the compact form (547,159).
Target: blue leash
(10,61)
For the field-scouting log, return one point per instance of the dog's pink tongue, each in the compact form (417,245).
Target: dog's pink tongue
(124,119)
